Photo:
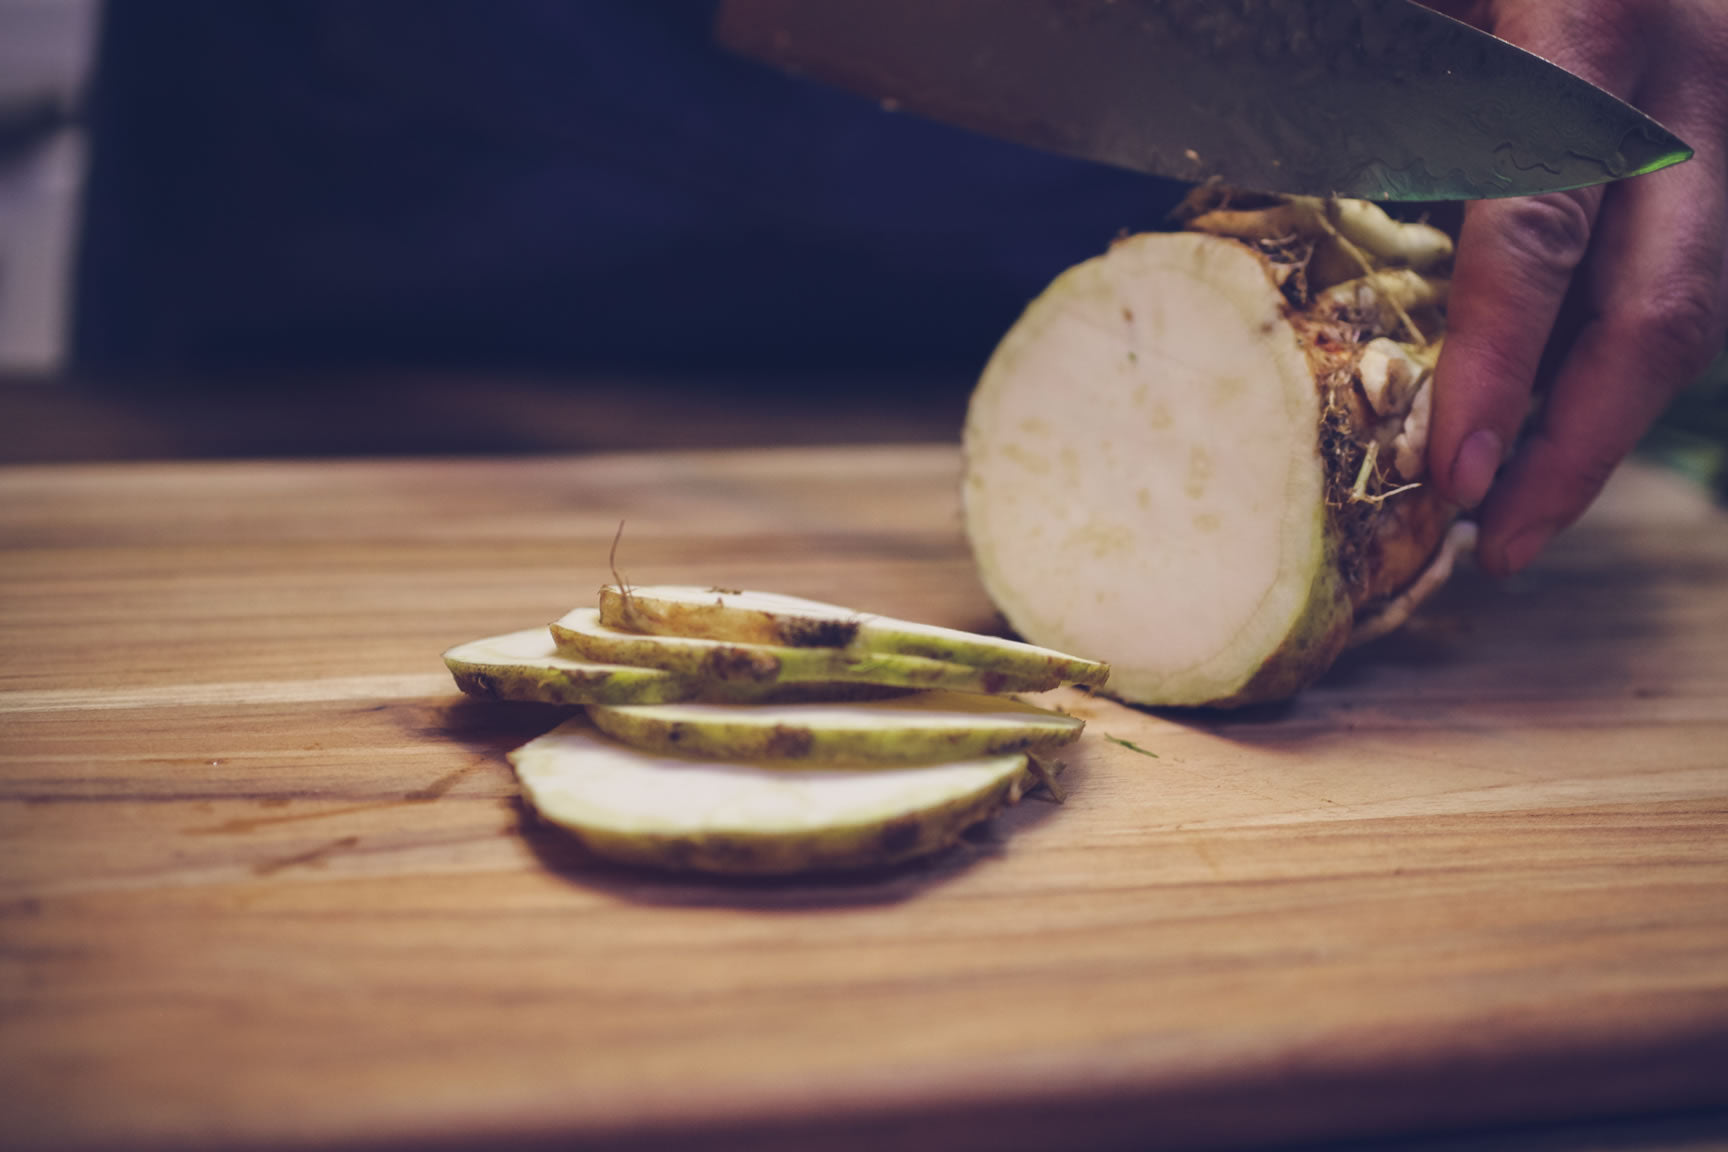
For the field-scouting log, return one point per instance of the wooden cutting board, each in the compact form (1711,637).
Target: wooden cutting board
(265,881)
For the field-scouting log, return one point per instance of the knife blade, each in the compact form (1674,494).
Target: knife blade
(1375,99)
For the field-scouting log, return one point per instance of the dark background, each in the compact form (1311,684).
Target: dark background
(558,187)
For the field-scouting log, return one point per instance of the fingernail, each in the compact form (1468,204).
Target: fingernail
(1522,548)
(1474,467)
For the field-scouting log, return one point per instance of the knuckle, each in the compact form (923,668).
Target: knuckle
(1549,235)
(1679,330)
(1610,24)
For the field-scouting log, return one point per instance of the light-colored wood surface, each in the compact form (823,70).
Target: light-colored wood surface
(264,881)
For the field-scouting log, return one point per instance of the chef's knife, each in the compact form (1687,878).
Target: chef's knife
(1378,99)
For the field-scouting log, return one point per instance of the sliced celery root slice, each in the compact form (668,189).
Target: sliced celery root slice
(789,621)
(675,813)
(525,666)
(582,634)
(922,728)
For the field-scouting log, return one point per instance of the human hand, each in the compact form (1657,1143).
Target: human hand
(1611,299)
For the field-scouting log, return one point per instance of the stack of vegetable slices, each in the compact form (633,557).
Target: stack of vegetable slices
(753,733)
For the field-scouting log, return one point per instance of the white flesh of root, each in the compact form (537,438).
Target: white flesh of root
(923,728)
(1141,480)
(581,633)
(1146,480)
(670,812)
(771,618)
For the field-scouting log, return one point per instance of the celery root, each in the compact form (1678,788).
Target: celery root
(1199,459)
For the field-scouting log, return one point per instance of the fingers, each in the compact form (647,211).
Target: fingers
(1656,287)
(1516,260)
(1646,260)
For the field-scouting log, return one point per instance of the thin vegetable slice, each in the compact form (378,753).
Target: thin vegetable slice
(922,728)
(525,666)
(675,813)
(581,633)
(789,621)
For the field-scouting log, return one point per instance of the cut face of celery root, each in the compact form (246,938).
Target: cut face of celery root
(581,633)
(924,728)
(788,621)
(1198,457)
(735,817)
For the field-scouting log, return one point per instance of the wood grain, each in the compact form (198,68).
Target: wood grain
(265,882)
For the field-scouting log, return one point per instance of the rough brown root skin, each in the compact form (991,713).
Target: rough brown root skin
(1391,615)
(1407,534)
